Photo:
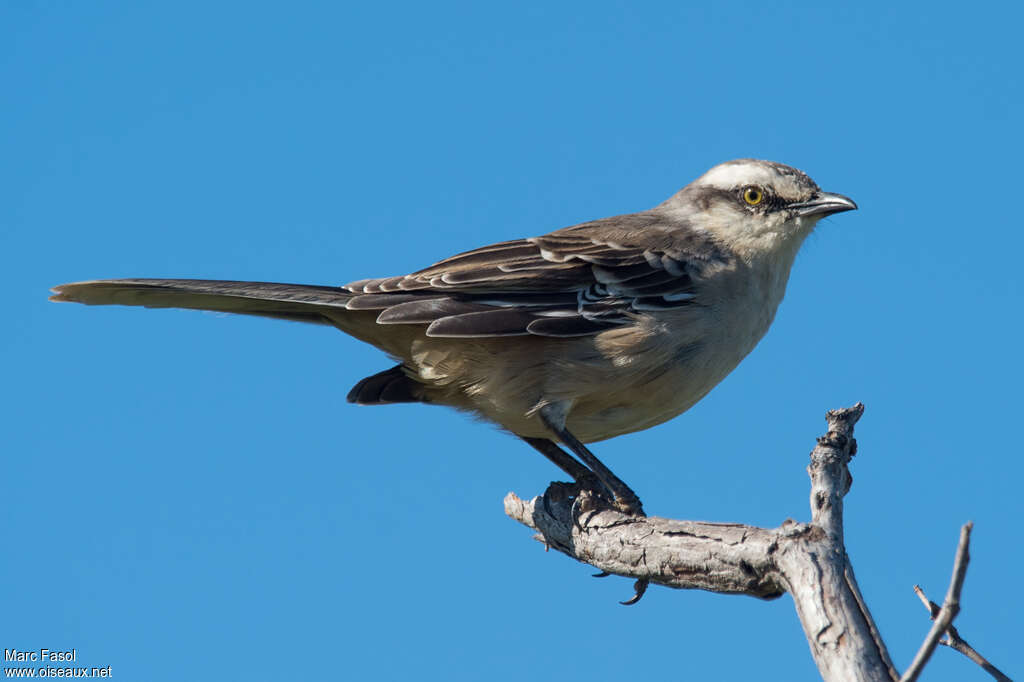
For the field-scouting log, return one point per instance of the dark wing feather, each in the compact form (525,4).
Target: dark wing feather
(427,310)
(494,322)
(574,282)
(566,326)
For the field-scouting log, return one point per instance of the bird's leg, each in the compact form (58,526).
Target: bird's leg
(559,457)
(584,477)
(553,416)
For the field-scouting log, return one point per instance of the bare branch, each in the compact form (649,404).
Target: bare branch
(954,641)
(807,560)
(719,557)
(950,607)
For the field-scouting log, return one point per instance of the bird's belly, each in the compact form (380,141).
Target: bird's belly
(622,381)
(625,409)
(664,388)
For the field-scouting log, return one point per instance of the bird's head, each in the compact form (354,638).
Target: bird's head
(754,205)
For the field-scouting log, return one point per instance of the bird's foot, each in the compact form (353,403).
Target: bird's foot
(592,494)
(589,485)
(629,504)
(588,494)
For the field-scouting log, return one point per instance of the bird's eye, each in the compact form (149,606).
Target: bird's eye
(753,196)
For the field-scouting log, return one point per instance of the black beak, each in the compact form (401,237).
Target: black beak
(823,204)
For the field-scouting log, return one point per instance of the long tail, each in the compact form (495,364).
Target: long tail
(298,302)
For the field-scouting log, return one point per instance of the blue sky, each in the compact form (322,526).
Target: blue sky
(188,495)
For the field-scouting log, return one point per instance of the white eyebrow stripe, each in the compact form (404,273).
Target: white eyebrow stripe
(729,175)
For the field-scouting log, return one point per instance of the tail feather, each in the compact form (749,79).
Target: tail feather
(298,302)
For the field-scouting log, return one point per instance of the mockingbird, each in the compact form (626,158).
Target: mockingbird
(586,333)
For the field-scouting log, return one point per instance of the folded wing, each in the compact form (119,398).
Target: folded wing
(574,282)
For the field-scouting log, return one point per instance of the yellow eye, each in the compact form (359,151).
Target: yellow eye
(753,196)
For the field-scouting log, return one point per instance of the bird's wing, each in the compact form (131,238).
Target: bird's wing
(574,282)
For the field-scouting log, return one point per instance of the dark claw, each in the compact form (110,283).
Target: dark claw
(580,506)
(639,587)
(602,574)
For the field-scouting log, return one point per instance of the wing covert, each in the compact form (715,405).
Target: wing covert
(574,282)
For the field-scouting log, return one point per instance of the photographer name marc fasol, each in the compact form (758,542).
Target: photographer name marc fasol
(41,655)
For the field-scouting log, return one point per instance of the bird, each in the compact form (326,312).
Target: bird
(589,332)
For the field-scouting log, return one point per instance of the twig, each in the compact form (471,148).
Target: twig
(954,641)
(950,607)
(830,477)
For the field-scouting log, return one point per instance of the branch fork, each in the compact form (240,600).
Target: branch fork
(808,560)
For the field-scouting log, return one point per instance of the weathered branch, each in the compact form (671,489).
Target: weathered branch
(720,557)
(953,639)
(807,560)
